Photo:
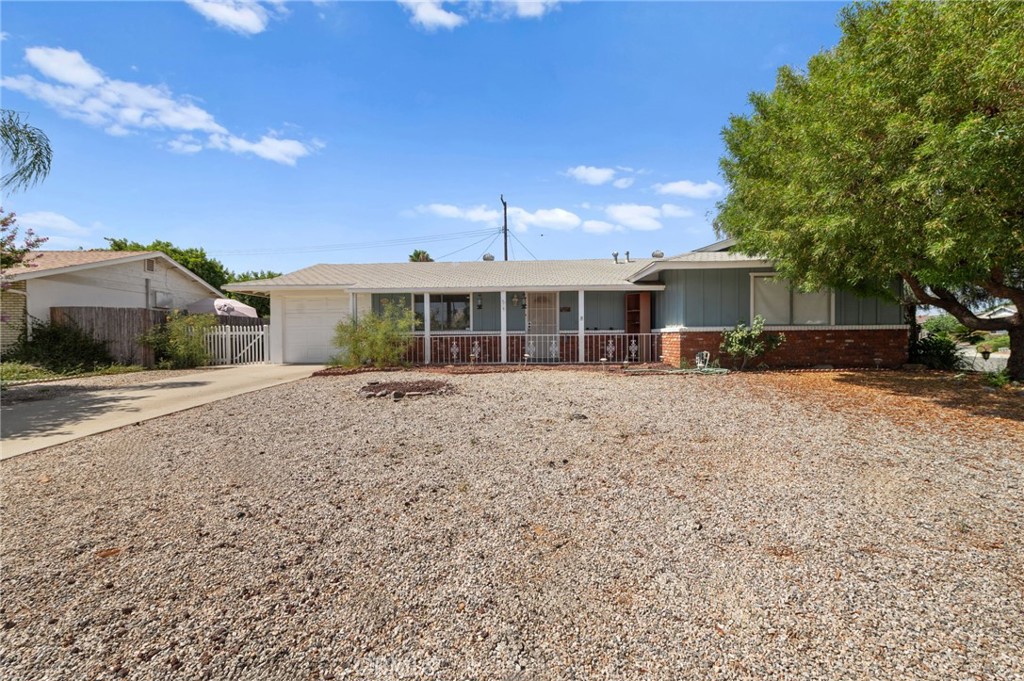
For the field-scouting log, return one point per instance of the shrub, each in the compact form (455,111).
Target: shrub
(378,339)
(745,343)
(997,379)
(179,343)
(61,348)
(937,352)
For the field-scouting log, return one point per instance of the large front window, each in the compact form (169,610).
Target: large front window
(780,305)
(448,312)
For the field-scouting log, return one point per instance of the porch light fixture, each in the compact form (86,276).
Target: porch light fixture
(515,300)
(479,302)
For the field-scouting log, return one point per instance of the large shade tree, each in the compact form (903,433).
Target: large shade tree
(899,153)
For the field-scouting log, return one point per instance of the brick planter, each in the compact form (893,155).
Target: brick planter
(804,347)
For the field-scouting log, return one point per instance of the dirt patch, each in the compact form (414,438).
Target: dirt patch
(404,388)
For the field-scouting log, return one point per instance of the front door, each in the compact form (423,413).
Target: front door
(542,326)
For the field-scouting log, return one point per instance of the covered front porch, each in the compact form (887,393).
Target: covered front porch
(525,326)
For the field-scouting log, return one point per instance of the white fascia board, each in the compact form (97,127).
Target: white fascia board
(510,287)
(699,265)
(151,255)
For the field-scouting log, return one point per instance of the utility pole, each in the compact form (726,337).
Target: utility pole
(504,230)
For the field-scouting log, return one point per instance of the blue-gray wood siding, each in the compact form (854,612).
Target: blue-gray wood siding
(720,298)
(604,310)
(854,309)
(704,297)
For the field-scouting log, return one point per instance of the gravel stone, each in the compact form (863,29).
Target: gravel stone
(797,526)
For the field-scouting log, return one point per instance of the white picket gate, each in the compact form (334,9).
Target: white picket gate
(238,344)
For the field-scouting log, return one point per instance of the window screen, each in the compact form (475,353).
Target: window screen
(811,308)
(771,300)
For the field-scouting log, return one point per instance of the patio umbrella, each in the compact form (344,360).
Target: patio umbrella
(222,307)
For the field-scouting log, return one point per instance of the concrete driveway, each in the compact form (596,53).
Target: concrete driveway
(31,425)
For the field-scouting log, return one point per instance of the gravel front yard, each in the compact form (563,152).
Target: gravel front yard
(532,525)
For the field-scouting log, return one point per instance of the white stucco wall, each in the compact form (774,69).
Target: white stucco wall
(114,285)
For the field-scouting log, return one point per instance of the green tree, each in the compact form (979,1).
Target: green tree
(420,256)
(261,303)
(210,270)
(899,153)
(25,151)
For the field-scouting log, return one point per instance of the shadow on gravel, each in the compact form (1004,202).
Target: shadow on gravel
(967,394)
(52,416)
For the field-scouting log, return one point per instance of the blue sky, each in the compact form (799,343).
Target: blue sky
(281,134)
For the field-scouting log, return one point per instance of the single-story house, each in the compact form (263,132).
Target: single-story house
(616,310)
(95,279)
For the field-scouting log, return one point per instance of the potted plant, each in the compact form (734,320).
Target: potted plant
(984,349)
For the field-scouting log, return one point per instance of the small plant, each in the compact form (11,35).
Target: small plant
(984,349)
(179,343)
(377,339)
(61,348)
(937,352)
(744,343)
(997,379)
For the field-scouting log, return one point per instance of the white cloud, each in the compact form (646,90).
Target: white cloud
(518,219)
(670,210)
(591,175)
(634,216)
(599,227)
(4,36)
(185,144)
(431,15)
(121,107)
(691,190)
(531,9)
(545,218)
(64,65)
(242,16)
(471,214)
(623,183)
(45,223)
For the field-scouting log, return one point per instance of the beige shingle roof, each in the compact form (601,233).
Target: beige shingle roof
(440,276)
(42,261)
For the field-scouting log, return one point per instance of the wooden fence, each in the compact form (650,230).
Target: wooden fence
(238,344)
(119,327)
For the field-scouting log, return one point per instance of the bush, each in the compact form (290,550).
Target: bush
(745,343)
(997,379)
(179,343)
(948,326)
(937,352)
(61,348)
(378,339)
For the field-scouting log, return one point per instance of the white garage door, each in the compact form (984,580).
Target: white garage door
(309,324)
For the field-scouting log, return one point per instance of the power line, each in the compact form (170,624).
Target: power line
(463,248)
(524,246)
(401,241)
(488,246)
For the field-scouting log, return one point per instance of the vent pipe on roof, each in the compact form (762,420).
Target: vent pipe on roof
(627,256)
(488,257)
(615,257)
(657,254)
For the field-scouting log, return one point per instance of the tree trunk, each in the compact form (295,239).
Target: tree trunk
(1015,365)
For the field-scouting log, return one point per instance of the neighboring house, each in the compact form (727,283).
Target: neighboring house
(999,312)
(109,279)
(580,310)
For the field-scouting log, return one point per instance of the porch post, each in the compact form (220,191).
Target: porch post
(581,331)
(426,325)
(352,306)
(504,328)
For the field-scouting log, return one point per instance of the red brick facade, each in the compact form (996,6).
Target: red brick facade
(839,347)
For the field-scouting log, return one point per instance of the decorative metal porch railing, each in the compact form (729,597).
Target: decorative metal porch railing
(556,348)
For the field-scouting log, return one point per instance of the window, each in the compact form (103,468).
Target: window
(149,264)
(162,300)
(448,312)
(780,305)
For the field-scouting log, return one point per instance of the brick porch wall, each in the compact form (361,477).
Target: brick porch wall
(840,347)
